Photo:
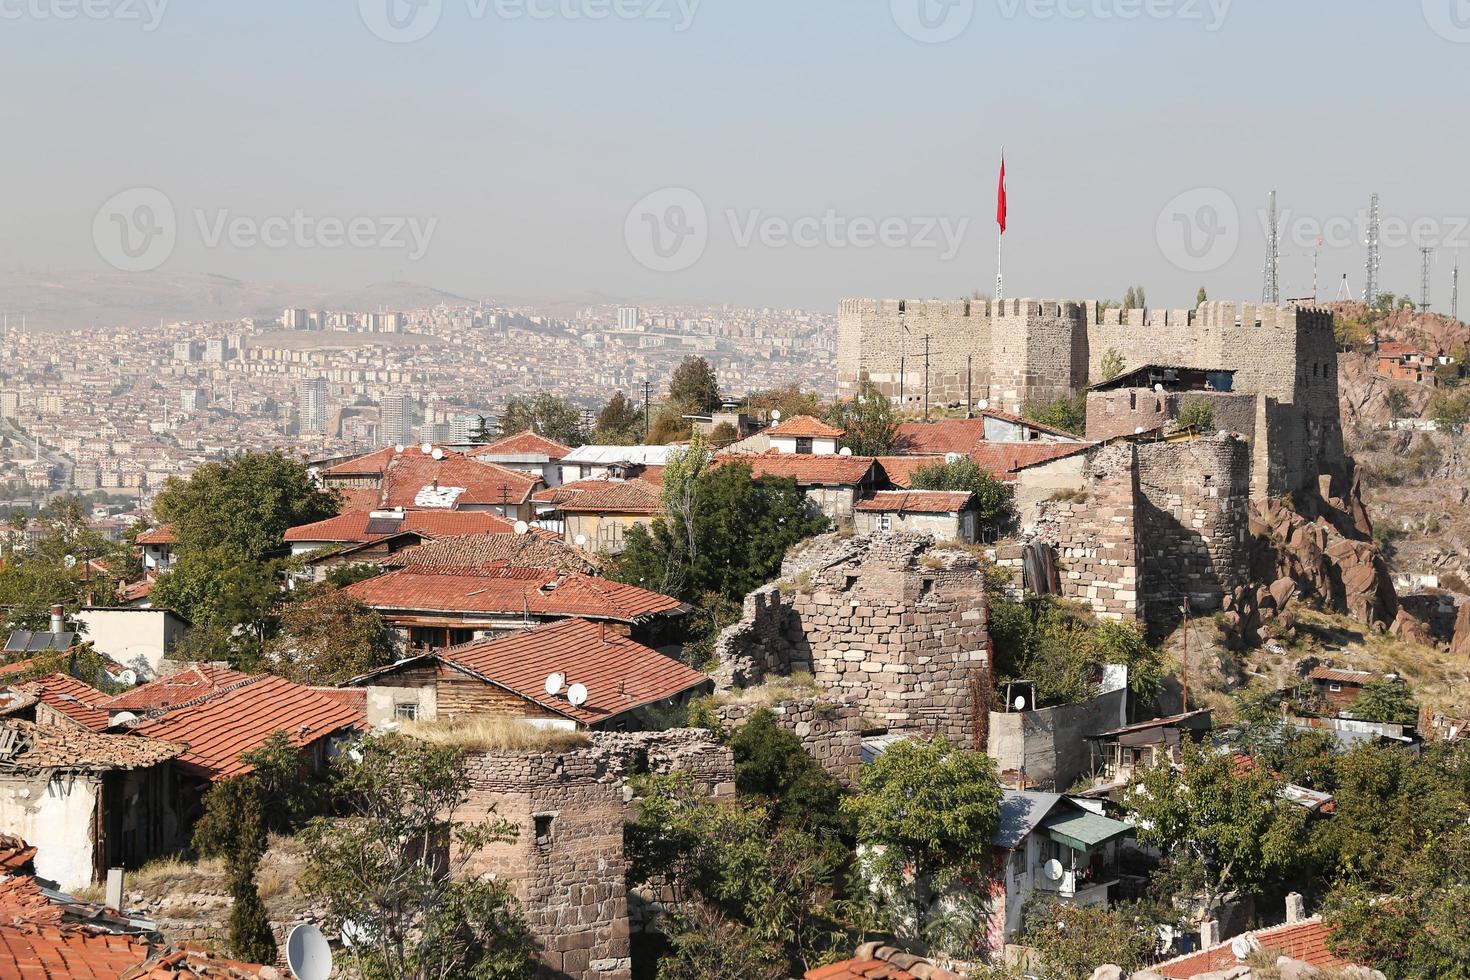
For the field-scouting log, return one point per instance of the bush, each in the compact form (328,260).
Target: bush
(1196,414)
(1068,413)
(770,763)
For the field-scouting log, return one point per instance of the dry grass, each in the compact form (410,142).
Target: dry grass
(1437,677)
(495,735)
(792,687)
(174,874)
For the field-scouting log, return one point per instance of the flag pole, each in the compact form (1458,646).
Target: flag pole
(1000,239)
(1000,220)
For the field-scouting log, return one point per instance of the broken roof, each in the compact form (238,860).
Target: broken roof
(541,551)
(44,951)
(27,746)
(194,681)
(507,590)
(1305,941)
(79,702)
(363,526)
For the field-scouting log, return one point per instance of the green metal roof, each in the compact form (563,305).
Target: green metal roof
(1084,830)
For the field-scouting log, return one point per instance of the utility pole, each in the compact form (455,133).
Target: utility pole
(969,387)
(1425,255)
(926,377)
(1455,290)
(1370,288)
(1316,260)
(1271,280)
(647,387)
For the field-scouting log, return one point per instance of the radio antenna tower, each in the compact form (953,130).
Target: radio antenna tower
(1271,286)
(1370,289)
(1455,289)
(1344,291)
(1425,255)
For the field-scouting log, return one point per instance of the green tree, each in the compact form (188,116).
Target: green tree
(1201,297)
(1397,401)
(790,400)
(481,434)
(219,589)
(329,638)
(706,944)
(1112,364)
(694,388)
(1449,409)
(1389,701)
(1196,414)
(233,828)
(396,866)
(544,414)
(996,500)
(926,815)
(1218,820)
(869,420)
(1068,413)
(620,423)
(1070,940)
(1130,299)
(771,764)
(244,505)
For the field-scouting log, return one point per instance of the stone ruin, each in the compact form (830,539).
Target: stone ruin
(889,623)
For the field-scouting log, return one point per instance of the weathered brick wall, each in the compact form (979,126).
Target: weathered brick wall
(891,621)
(1126,410)
(567,864)
(831,731)
(1194,506)
(1048,749)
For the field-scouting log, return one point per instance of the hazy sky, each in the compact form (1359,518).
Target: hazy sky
(796,151)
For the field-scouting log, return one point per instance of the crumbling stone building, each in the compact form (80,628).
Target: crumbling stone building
(1009,352)
(891,623)
(567,864)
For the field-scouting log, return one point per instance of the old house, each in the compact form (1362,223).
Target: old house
(1405,362)
(1121,752)
(534,549)
(158,548)
(395,524)
(1150,398)
(507,677)
(1341,688)
(139,638)
(597,514)
(834,484)
(86,801)
(804,434)
(526,452)
(613,462)
(57,699)
(951,516)
(436,479)
(431,607)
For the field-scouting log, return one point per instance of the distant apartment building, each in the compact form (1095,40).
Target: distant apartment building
(296,319)
(397,425)
(9,404)
(194,399)
(217,351)
(312,400)
(629,317)
(383,322)
(188,351)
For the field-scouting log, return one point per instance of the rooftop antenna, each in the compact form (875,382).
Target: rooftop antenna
(1271,284)
(1426,254)
(1370,288)
(1344,291)
(1316,258)
(1455,288)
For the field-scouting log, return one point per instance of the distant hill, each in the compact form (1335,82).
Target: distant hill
(78,299)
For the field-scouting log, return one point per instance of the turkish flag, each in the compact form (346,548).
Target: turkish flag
(1000,197)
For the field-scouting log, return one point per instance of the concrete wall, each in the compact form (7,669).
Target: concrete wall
(59,817)
(1048,745)
(942,527)
(136,638)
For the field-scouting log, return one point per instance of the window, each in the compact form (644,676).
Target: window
(543,824)
(1334,687)
(804,445)
(406,711)
(885,522)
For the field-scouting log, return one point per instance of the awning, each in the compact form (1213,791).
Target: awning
(1084,831)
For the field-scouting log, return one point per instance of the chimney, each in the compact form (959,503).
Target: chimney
(1296,908)
(1209,934)
(58,620)
(114,897)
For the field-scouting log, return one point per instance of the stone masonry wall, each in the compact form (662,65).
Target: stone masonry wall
(567,864)
(830,731)
(1194,506)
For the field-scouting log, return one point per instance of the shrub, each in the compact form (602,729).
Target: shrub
(1196,414)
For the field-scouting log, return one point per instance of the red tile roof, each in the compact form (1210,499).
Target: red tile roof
(369,464)
(408,477)
(1338,675)
(805,468)
(42,952)
(900,469)
(876,960)
(526,443)
(80,702)
(21,900)
(157,535)
(939,437)
(804,426)
(352,527)
(15,855)
(68,747)
(652,476)
(352,698)
(357,498)
(1305,941)
(917,501)
(538,550)
(615,497)
(222,727)
(619,674)
(196,681)
(511,591)
(1003,460)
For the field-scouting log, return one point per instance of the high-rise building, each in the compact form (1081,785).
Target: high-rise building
(187,350)
(313,405)
(193,399)
(296,319)
(396,428)
(217,351)
(629,317)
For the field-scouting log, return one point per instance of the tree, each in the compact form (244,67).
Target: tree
(1130,299)
(219,589)
(772,765)
(233,828)
(546,415)
(1201,297)
(1449,409)
(926,814)
(1196,414)
(706,944)
(620,423)
(721,531)
(723,434)
(790,400)
(1397,401)
(869,421)
(1219,821)
(996,500)
(1112,364)
(330,638)
(481,434)
(1070,940)
(244,505)
(397,867)
(1068,413)
(694,388)
(1389,701)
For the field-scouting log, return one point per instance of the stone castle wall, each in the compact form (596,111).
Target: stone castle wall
(830,731)
(567,864)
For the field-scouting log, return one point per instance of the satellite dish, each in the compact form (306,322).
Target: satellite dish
(123,718)
(1158,387)
(307,953)
(1052,869)
(1138,431)
(577,695)
(845,451)
(1020,703)
(70,561)
(983,404)
(775,415)
(426,448)
(952,457)
(554,684)
(438,454)
(580,541)
(398,449)
(1242,946)
(522,527)
(128,677)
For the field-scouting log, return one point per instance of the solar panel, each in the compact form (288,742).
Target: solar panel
(24,641)
(384,525)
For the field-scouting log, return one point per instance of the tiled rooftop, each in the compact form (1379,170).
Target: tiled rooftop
(510,591)
(58,747)
(192,682)
(526,443)
(806,426)
(1305,941)
(804,468)
(354,526)
(917,501)
(491,550)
